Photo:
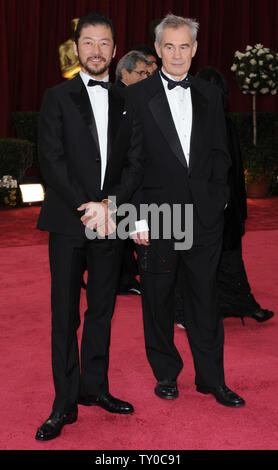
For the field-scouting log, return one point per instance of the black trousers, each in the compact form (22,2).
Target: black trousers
(204,325)
(68,259)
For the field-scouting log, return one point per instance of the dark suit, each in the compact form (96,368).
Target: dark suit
(71,166)
(129,266)
(168,179)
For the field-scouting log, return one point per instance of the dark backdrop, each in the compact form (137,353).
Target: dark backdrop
(32,30)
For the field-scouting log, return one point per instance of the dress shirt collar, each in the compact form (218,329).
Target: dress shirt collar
(165,83)
(86,77)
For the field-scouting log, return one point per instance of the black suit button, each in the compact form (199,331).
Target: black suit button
(97,160)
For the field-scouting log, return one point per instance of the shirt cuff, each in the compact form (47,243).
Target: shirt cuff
(140,226)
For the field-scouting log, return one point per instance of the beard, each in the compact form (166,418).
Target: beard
(98,69)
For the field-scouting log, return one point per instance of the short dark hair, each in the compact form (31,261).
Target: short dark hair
(94,19)
(213,75)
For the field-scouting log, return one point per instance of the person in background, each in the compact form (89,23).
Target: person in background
(235,297)
(151,55)
(131,68)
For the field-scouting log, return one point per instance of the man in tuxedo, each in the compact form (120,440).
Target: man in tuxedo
(180,120)
(83,136)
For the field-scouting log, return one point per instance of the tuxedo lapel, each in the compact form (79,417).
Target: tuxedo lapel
(114,118)
(199,121)
(161,112)
(81,99)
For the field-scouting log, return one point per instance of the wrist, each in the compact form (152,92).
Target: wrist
(110,204)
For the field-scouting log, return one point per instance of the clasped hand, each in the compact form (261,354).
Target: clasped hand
(98,217)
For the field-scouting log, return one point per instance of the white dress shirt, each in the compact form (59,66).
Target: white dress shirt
(99,102)
(180,103)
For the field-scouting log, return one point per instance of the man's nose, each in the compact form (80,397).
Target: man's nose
(95,48)
(177,53)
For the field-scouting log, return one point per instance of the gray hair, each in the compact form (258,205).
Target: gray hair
(129,61)
(173,21)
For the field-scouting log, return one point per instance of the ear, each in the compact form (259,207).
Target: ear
(158,49)
(194,48)
(75,49)
(124,74)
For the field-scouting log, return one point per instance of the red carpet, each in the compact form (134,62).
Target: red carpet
(194,421)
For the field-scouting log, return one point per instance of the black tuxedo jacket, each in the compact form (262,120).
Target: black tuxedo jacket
(167,178)
(69,156)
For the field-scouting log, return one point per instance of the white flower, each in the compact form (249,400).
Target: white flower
(233,68)
(248,48)
(269,56)
(239,55)
(273,92)
(264,90)
(253,62)
(259,46)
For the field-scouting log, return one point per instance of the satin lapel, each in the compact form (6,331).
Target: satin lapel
(114,118)
(81,100)
(199,120)
(161,111)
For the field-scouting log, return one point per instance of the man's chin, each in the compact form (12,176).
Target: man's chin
(96,71)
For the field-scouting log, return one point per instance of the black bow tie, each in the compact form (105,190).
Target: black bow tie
(106,85)
(185,83)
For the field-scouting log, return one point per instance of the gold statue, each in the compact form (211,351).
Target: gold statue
(69,63)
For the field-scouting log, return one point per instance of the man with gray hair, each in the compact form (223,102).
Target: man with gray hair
(132,68)
(179,134)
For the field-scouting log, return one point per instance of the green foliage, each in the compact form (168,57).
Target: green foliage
(16,156)
(260,161)
(26,124)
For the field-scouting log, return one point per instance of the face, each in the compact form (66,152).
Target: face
(176,51)
(95,50)
(139,73)
(152,68)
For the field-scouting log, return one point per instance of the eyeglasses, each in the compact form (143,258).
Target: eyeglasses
(142,73)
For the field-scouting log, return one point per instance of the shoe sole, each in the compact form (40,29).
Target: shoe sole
(205,392)
(125,412)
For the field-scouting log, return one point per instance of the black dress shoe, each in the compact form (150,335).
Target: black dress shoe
(223,395)
(262,315)
(109,403)
(167,389)
(53,426)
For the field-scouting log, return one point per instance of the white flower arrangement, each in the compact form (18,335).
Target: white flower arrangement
(7,181)
(256,70)
(8,191)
